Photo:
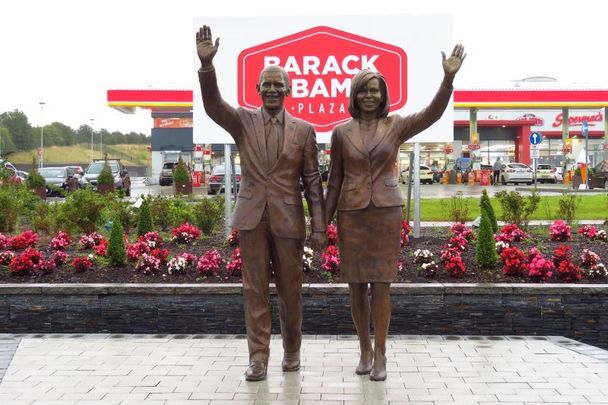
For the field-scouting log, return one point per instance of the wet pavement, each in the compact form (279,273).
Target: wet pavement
(208,369)
(435,190)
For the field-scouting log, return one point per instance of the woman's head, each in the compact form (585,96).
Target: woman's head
(368,90)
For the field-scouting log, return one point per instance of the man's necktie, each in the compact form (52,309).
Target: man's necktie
(272,142)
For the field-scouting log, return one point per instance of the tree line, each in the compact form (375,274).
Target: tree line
(17,134)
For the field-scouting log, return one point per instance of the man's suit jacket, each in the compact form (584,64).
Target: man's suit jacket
(277,187)
(363,172)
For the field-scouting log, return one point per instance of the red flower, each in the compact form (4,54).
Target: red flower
(332,234)
(461,229)
(331,259)
(161,254)
(59,258)
(562,253)
(233,238)
(235,266)
(452,261)
(23,240)
(102,248)
(82,264)
(568,271)
(186,233)
(514,262)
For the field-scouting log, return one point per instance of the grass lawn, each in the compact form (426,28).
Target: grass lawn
(591,207)
(129,154)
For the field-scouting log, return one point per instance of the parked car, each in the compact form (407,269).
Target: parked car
(426,175)
(77,172)
(215,183)
(56,179)
(515,173)
(547,174)
(166,174)
(122,181)
(599,176)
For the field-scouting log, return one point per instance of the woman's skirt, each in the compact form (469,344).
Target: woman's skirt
(369,241)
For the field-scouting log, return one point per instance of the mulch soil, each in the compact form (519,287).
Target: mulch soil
(432,239)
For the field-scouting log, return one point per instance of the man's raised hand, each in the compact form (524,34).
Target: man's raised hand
(204,46)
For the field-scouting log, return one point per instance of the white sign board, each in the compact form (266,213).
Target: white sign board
(534,151)
(321,54)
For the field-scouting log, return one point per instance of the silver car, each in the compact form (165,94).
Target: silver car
(56,178)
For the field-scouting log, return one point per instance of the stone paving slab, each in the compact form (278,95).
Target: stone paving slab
(208,369)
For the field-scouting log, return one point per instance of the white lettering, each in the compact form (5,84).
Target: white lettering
(300,107)
(331,66)
(318,88)
(299,88)
(345,62)
(369,64)
(271,60)
(311,65)
(342,109)
(338,88)
(291,65)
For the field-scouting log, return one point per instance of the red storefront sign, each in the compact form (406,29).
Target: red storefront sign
(172,122)
(321,62)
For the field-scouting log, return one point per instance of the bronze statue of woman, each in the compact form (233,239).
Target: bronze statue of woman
(363,188)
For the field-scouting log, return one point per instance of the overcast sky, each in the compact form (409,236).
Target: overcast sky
(69,53)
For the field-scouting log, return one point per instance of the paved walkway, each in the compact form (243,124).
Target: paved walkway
(202,369)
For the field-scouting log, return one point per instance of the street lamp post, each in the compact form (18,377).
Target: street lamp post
(92,131)
(41,153)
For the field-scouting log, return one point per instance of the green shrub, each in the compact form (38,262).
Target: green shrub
(486,205)
(181,211)
(82,210)
(517,209)
(105,176)
(123,211)
(207,215)
(9,209)
(144,222)
(485,249)
(34,179)
(180,173)
(457,207)
(568,204)
(162,214)
(116,245)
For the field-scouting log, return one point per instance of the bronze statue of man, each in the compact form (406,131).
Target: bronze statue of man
(277,152)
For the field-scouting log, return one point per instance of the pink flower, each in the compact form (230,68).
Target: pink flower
(560,231)
(148,264)
(152,239)
(59,258)
(235,266)
(102,248)
(134,250)
(209,262)
(90,240)
(61,241)
(452,261)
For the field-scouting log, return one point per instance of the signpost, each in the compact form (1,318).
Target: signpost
(535,140)
(585,130)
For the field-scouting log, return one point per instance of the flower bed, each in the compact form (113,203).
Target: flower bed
(184,255)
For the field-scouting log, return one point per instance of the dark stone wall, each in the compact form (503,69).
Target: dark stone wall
(578,312)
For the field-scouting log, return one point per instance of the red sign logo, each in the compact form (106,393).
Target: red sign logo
(321,62)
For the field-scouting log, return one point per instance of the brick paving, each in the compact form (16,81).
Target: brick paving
(208,370)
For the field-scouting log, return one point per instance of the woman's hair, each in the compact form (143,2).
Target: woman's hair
(359,82)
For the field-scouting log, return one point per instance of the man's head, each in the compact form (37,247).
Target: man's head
(273,87)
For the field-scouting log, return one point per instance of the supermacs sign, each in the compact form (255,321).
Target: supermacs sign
(321,62)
